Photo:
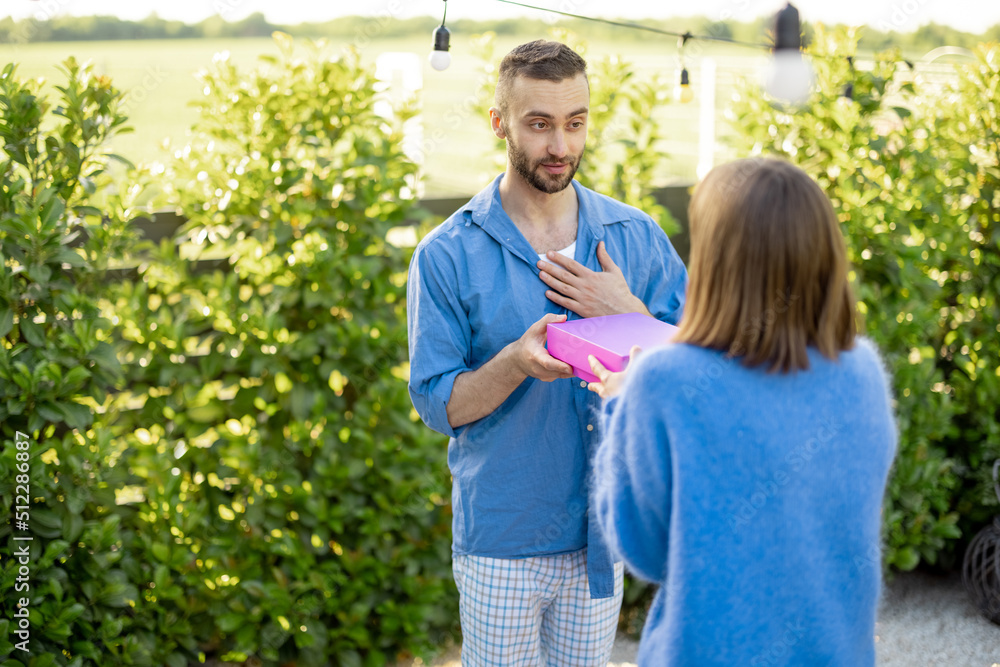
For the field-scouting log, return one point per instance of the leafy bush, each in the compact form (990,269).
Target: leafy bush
(912,171)
(56,367)
(968,123)
(290,504)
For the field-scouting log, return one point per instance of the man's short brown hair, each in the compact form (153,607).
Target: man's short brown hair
(768,267)
(541,59)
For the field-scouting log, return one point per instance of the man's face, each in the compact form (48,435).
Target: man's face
(546,130)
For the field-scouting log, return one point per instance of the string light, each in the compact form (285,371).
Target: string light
(440,58)
(639,26)
(688,35)
(788,76)
(683,92)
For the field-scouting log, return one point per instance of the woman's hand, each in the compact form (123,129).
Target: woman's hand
(610,383)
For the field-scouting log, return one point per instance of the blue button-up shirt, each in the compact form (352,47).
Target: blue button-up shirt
(520,475)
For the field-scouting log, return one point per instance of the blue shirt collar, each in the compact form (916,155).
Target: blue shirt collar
(486,210)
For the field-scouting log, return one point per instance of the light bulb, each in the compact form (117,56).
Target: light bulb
(683,92)
(439,60)
(788,76)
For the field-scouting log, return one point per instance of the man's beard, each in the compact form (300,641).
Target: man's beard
(547,183)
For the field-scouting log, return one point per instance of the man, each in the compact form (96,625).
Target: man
(537,583)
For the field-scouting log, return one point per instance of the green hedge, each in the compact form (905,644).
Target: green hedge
(56,365)
(256,485)
(912,167)
(293,507)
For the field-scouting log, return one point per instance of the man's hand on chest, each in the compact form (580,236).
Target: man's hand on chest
(588,293)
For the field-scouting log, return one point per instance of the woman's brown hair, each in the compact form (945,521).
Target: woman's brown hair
(768,267)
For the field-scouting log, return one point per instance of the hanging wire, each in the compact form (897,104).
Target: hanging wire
(638,26)
(439,58)
(683,36)
(683,91)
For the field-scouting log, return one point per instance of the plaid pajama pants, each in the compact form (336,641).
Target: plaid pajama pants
(534,612)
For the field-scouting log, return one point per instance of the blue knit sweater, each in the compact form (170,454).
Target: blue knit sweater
(753,499)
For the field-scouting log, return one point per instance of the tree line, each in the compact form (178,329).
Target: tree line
(880,36)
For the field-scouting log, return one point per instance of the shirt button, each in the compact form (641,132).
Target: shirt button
(590,427)
(583,384)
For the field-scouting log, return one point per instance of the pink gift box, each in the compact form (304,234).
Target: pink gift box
(609,338)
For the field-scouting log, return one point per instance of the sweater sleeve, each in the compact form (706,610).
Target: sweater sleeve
(632,478)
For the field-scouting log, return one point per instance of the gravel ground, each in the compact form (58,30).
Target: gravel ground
(929,620)
(924,621)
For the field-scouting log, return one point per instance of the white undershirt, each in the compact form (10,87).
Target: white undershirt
(568,251)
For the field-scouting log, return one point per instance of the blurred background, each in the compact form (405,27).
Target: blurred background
(153,50)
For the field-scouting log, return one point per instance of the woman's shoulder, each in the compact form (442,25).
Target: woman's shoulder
(672,359)
(864,358)
(860,372)
(865,347)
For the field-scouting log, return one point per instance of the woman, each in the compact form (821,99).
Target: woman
(743,465)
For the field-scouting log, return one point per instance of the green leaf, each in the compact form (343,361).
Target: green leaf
(76,375)
(117,592)
(105,357)
(87,210)
(284,41)
(119,158)
(161,552)
(32,332)
(46,523)
(51,211)
(72,527)
(55,588)
(50,412)
(229,622)
(254,588)
(907,559)
(72,612)
(77,416)
(39,273)
(70,256)
(161,576)
(6,321)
